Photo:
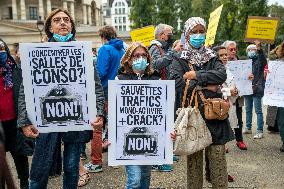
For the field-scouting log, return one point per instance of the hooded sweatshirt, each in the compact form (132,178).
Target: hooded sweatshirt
(108,61)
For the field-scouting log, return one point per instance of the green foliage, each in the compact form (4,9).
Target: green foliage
(142,13)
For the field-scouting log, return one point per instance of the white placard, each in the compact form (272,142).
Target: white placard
(274,85)
(141,118)
(241,69)
(59,85)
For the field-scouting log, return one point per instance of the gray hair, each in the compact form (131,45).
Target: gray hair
(227,43)
(160,28)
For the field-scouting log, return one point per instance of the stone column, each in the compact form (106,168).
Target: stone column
(14,10)
(48,7)
(85,20)
(65,5)
(23,10)
(98,23)
(40,9)
(72,11)
(89,15)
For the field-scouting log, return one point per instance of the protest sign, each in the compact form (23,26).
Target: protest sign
(274,85)
(140,122)
(241,69)
(261,28)
(145,35)
(213,25)
(59,85)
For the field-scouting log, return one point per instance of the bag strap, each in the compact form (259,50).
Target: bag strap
(185,93)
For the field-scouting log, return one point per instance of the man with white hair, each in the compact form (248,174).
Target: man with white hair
(231,47)
(160,49)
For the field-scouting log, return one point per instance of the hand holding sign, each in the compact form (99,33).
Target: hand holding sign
(98,123)
(30,131)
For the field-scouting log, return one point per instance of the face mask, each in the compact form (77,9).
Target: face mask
(252,54)
(140,64)
(61,38)
(170,40)
(3,58)
(197,40)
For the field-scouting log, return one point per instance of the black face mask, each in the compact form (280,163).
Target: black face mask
(170,40)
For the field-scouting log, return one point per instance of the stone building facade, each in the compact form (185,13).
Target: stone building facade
(18,19)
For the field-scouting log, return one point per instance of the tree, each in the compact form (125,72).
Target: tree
(167,12)
(276,10)
(142,13)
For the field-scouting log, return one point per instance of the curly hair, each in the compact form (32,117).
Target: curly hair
(108,32)
(124,63)
(47,24)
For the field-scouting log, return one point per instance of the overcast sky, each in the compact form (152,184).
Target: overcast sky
(281,2)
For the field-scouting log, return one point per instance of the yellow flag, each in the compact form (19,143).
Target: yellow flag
(213,25)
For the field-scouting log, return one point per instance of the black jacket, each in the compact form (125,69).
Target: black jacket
(213,72)
(258,65)
(25,145)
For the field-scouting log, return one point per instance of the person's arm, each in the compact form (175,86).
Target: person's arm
(103,62)
(160,61)
(215,76)
(100,99)
(23,121)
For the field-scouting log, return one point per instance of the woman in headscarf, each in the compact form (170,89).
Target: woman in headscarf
(209,73)
(59,27)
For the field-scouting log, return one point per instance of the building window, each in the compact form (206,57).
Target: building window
(124,28)
(120,28)
(115,19)
(33,13)
(116,27)
(123,10)
(122,4)
(10,11)
(119,4)
(124,19)
(119,20)
(115,10)
(119,11)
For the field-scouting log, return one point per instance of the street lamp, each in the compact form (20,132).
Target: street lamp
(40,26)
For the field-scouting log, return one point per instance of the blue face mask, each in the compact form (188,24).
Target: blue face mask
(252,54)
(61,38)
(197,40)
(3,58)
(140,64)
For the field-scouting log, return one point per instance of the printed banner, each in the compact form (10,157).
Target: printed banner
(241,69)
(213,25)
(145,35)
(140,122)
(261,28)
(274,85)
(59,85)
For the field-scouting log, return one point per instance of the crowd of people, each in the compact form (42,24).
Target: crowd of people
(164,59)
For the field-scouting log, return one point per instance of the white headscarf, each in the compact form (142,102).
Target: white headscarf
(195,56)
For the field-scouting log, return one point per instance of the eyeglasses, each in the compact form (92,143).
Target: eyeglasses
(138,55)
(232,49)
(57,20)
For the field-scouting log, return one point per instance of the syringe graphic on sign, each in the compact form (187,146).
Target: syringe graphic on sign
(60,105)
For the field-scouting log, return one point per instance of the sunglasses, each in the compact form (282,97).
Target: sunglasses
(232,49)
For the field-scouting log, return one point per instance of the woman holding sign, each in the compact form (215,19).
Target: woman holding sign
(208,74)
(59,27)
